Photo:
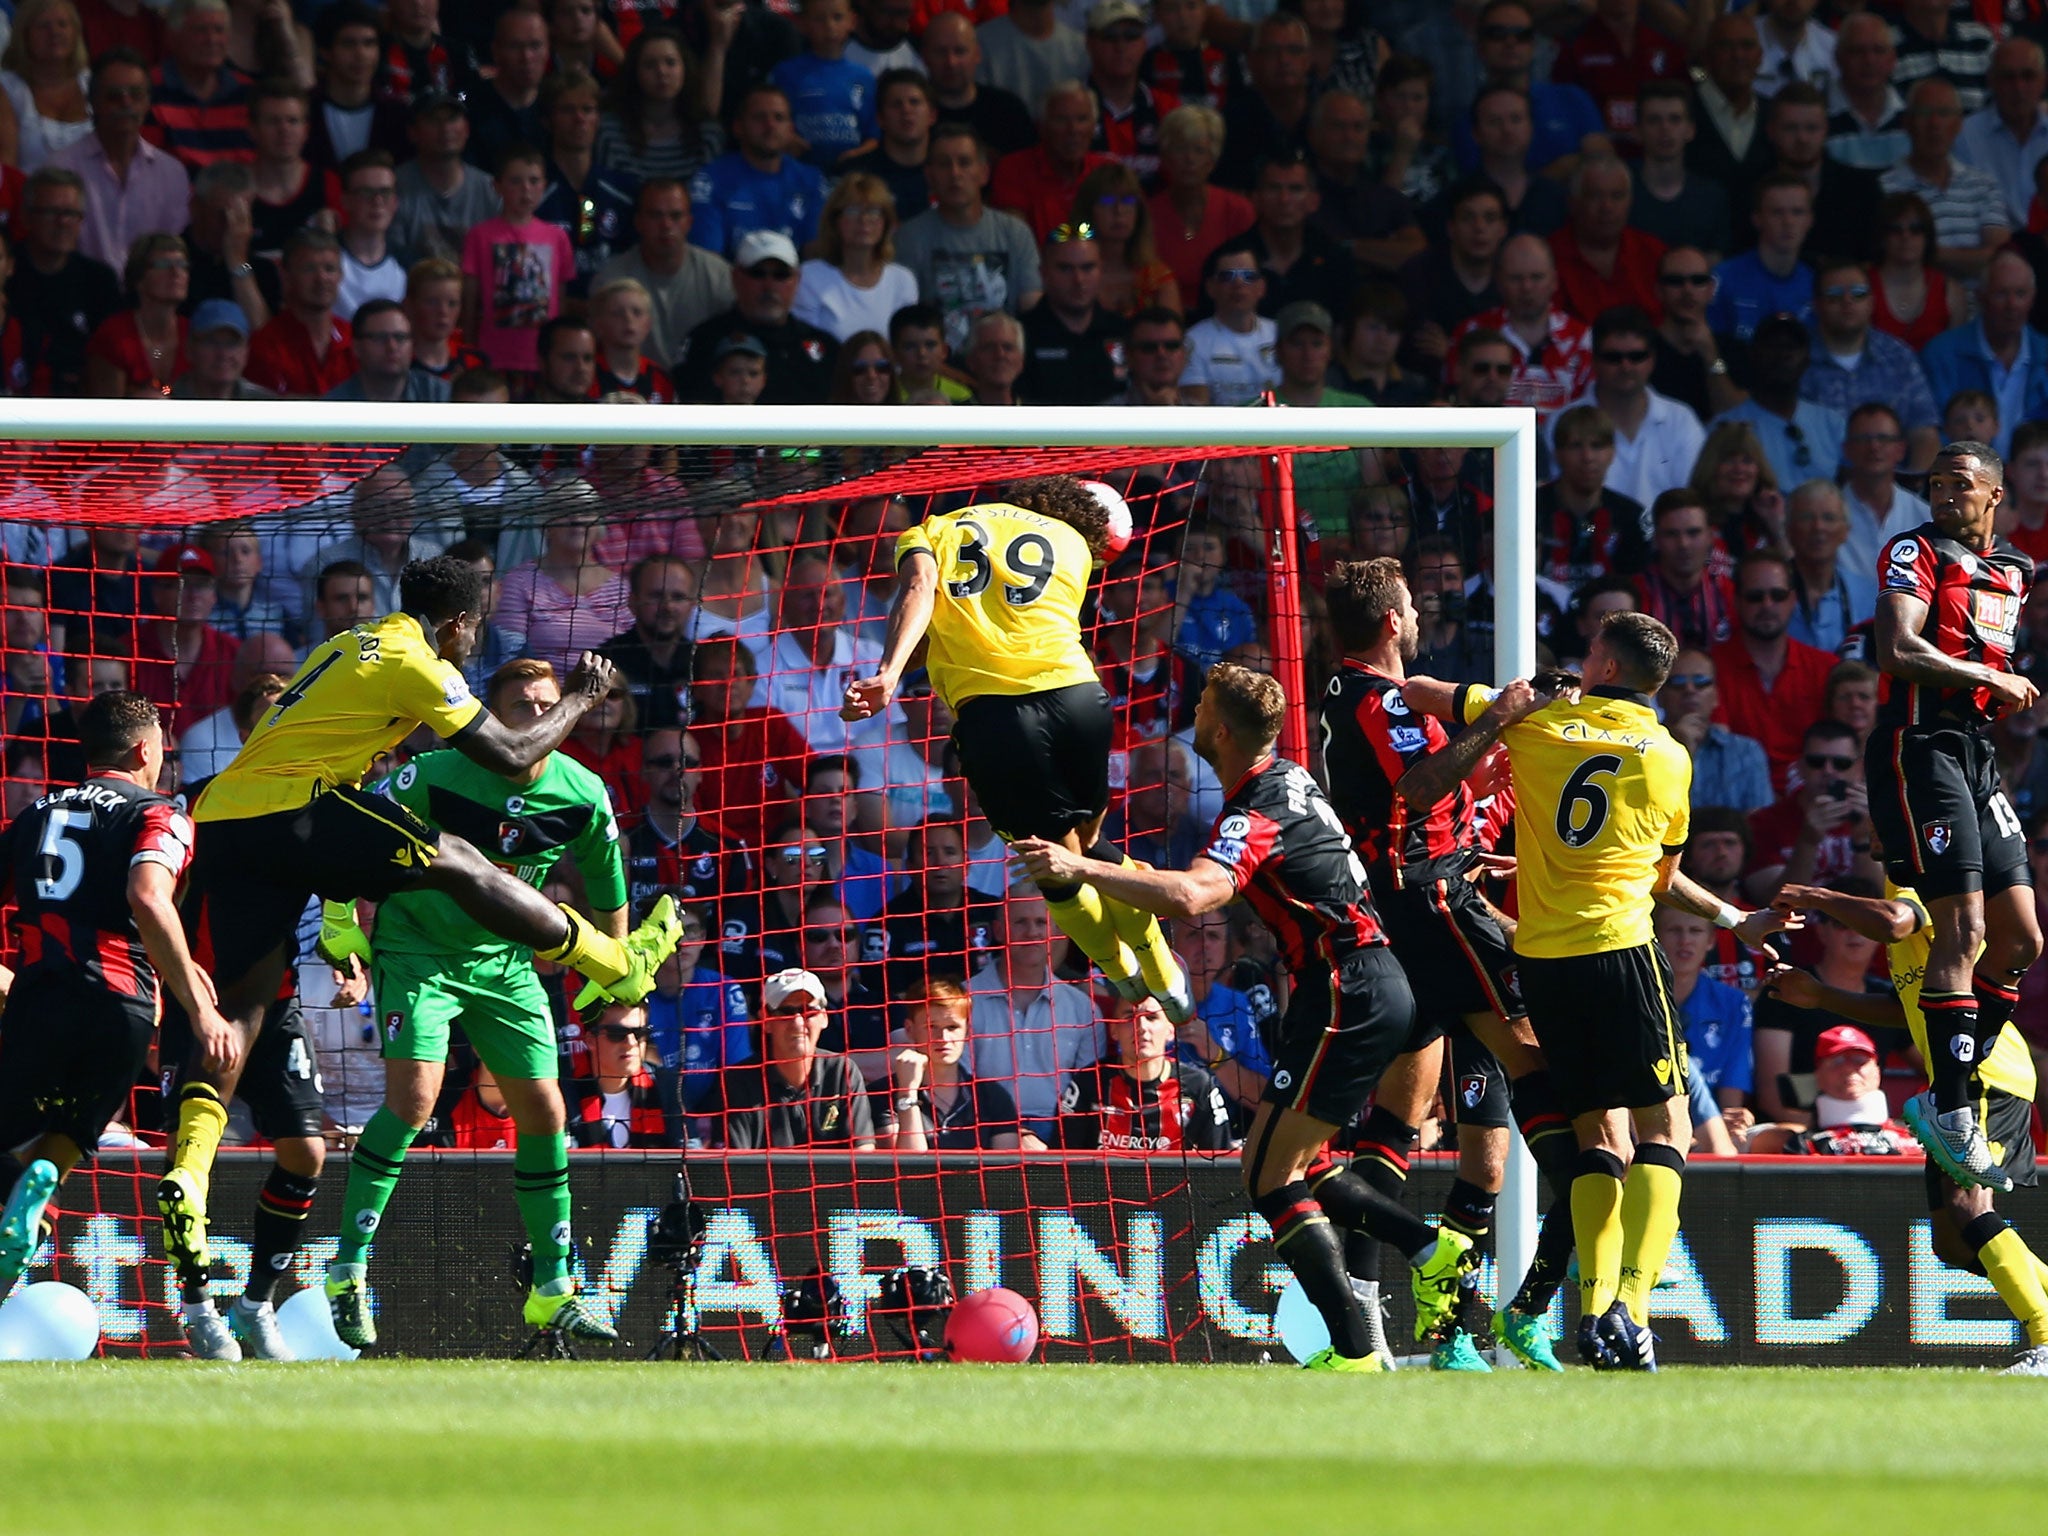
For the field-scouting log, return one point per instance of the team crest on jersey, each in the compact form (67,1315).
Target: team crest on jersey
(701,869)
(510,835)
(831,1120)
(1937,835)
(1472,1089)
(814,350)
(393,1023)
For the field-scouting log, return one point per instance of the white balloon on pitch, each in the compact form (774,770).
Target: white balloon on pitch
(1301,1327)
(49,1321)
(308,1327)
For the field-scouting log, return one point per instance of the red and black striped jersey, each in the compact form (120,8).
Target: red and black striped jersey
(633,1117)
(1371,738)
(1572,549)
(1107,1109)
(1973,614)
(1286,853)
(651,383)
(68,857)
(1188,75)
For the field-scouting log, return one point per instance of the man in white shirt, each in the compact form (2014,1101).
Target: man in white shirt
(1656,439)
(1233,356)
(802,669)
(1030,1031)
(2008,136)
(1796,47)
(1880,510)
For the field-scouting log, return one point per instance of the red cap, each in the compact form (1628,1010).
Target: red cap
(1843,1037)
(184,560)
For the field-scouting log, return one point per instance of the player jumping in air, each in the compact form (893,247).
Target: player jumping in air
(94,871)
(432,965)
(1278,844)
(1967,1233)
(999,587)
(1948,608)
(1602,807)
(287,819)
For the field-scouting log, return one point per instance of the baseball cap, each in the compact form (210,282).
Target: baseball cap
(436,101)
(184,560)
(1293,317)
(750,345)
(759,245)
(1781,327)
(779,990)
(1842,1038)
(220,315)
(1104,14)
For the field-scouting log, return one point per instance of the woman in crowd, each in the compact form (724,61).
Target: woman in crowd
(1914,299)
(1401,153)
(1111,201)
(44,72)
(577,41)
(654,128)
(607,742)
(646,510)
(565,601)
(866,374)
(1190,216)
(854,284)
(1364,358)
(1744,502)
(140,350)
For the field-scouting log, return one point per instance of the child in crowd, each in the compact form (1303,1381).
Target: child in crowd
(739,370)
(831,98)
(514,267)
(1970,416)
(622,318)
(917,335)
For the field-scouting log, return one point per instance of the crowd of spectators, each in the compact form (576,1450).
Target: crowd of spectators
(1749,263)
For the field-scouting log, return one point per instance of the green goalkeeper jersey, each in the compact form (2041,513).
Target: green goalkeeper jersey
(522,828)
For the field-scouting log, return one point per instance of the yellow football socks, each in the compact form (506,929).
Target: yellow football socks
(1082,918)
(2018,1275)
(1141,931)
(202,1121)
(1649,1222)
(1596,1228)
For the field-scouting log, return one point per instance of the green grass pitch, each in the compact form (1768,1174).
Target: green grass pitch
(492,1447)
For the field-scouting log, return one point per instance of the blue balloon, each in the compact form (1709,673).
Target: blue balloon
(49,1321)
(1301,1327)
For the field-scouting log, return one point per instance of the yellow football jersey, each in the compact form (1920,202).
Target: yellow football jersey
(1008,613)
(1602,795)
(359,694)
(2010,1066)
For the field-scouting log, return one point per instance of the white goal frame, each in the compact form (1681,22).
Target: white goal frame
(1510,431)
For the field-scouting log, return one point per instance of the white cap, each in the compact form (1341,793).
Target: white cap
(778,990)
(1119,510)
(759,245)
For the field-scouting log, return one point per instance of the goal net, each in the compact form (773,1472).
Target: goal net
(737,565)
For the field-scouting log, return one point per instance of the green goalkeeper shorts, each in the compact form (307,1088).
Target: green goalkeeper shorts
(498,1002)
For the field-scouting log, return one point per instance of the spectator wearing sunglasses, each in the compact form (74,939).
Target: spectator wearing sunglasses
(1801,438)
(1771,684)
(622,1101)
(1851,362)
(1562,116)
(1690,367)
(1656,439)
(1820,830)
(1727,769)
(832,946)
(796,1095)
(1232,357)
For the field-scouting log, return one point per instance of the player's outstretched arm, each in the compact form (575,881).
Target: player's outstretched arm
(1162,892)
(1675,889)
(1905,653)
(151,888)
(1802,989)
(910,615)
(1431,696)
(490,743)
(1875,917)
(1444,769)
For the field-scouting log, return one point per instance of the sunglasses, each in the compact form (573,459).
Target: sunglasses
(843,935)
(1501,34)
(1846,291)
(1064,234)
(1689,680)
(794,855)
(876,365)
(1873,439)
(619,1034)
(1768,595)
(1841,764)
(1501,370)
(1686,279)
(1237,274)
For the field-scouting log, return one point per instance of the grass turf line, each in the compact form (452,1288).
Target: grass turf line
(493,1447)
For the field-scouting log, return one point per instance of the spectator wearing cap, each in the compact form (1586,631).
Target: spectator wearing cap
(1671,201)
(1127,126)
(1656,439)
(938,1105)
(796,1095)
(739,369)
(140,350)
(218,345)
(383,352)
(1801,438)
(1232,355)
(1851,1115)
(1075,351)
(1026,51)
(218,241)
(199,101)
(1370,221)
(618,1100)
(969,259)
(1771,279)
(1851,362)
(1601,262)
(505,109)
(441,195)
(58,296)
(903,112)
(1772,686)
(1727,769)
(685,283)
(1039,184)
(1553,349)
(180,659)
(759,185)
(1303,347)
(1031,1031)
(1269,114)
(132,187)
(1845,198)
(306,349)
(951,53)
(765,277)
(1999,352)
(1971,220)
(1301,263)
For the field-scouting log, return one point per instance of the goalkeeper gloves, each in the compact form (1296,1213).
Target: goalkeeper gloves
(341,936)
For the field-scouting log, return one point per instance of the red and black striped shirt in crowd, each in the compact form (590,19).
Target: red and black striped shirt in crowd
(1286,853)
(68,858)
(1973,602)
(408,72)
(632,1119)
(1180,1110)
(200,132)
(652,383)
(1371,738)
(1614,539)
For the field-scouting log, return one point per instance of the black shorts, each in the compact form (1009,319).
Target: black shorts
(1037,762)
(1457,956)
(1479,1088)
(1936,806)
(251,878)
(70,1054)
(1608,1028)
(1339,1033)
(2009,1127)
(280,1080)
